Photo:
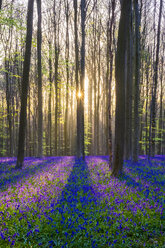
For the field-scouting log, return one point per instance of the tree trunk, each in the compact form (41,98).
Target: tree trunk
(161,109)
(25,85)
(29,124)
(40,116)
(8,101)
(50,99)
(120,73)
(2,127)
(95,78)
(137,83)
(77,75)
(56,44)
(98,91)
(82,79)
(147,95)
(128,117)
(66,131)
(154,96)
(110,83)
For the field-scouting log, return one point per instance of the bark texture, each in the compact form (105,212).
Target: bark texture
(25,85)
(40,115)
(120,74)
(137,83)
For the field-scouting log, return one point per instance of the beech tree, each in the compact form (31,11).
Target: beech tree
(137,83)
(77,74)
(110,56)
(129,86)
(80,111)
(155,84)
(39,41)
(25,86)
(120,73)
(66,133)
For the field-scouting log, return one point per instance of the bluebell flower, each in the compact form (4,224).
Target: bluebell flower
(29,233)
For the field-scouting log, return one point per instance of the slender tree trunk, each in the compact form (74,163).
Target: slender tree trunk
(56,44)
(154,96)
(77,75)
(150,116)
(128,119)
(27,131)
(2,128)
(161,109)
(137,83)
(8,100)
(40,116)
(95,82)
(90,112)
(82,79)
(29,124)
(0,4)
(107,88)
(50,99)
(120,72)
(110,83)
(163,135)
(25,85)
(66,131)
(98,90)
(146,110)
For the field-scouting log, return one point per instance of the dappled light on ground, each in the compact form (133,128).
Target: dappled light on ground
(65,202)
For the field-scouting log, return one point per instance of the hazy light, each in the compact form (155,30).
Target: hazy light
(79,94)
(86,85)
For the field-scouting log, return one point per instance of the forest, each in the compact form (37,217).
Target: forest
(82,123)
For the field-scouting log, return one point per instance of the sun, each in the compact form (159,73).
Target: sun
(79,94)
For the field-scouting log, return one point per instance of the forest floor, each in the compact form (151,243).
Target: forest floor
(64,202)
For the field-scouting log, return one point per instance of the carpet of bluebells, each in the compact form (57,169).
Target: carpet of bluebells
(65,202)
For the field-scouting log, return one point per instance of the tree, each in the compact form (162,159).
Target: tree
(120,74)
(137,83)
(77,74)
(147,61)
(80,111)
(56,76)
(161,108)
(50,99)
(25,86)
(94,76)
(154,95)
(67,78)
(40,118)
(109,77)
(129,82)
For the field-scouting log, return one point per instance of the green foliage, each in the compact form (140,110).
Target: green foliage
(6,19)
(34,42)
(87,140)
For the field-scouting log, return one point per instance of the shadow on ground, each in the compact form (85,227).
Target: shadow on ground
(130,181)
(78,206)
(78,189)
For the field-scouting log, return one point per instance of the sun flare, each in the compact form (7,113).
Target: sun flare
(79,94)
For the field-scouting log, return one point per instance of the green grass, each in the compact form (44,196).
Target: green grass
(123,216)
